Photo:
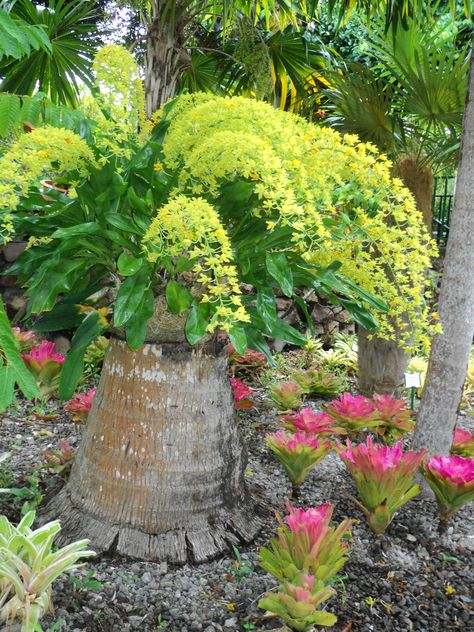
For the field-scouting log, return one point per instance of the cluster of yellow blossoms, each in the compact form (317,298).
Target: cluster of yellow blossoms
(120,94)
(305,178)
(192,226)
(46,151)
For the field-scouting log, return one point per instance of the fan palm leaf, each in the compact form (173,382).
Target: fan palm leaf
(72,32)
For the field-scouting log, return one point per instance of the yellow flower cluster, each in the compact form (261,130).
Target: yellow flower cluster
(47,151)
(191,227)
(305,178)
(121,96)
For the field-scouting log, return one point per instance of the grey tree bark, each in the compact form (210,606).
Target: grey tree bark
(160,470)
(449,357)
(381,365)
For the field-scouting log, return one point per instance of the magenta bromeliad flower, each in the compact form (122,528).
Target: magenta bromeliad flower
(26,339)
(298,453)
(42,355)
(311,422)
(463,443)
(310,544)
(452,480)
(353,412)
(80,405)
(384,477)
(243,395)
(45,365)
(393,416)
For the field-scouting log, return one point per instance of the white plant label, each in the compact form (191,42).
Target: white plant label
(412,380)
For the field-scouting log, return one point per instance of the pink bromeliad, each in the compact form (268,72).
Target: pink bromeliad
(452,480)
(80,405)
(298,453)
(243,395)
(384,477)
(45,365)
(463,443)
(352,412)
(311,422)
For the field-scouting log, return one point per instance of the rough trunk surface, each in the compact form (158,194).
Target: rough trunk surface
(162,68)
(449,357)
(381,365)
(419,180)
(160,471)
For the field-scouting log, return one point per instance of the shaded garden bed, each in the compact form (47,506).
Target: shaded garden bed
(413,579)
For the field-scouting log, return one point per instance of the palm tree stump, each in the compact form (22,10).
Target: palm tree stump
(159,474)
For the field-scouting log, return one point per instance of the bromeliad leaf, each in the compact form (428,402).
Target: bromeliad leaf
(136,326)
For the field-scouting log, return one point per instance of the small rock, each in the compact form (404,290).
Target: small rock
(411,538)
(230,623)
(147,578)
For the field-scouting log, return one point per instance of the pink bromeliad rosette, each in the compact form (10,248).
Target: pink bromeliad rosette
(353,412)
(311,422)
(306,555)
(45,364)
(298,453)
(384,477)
(452,480)
(80,405)
(243,395)
(463,443)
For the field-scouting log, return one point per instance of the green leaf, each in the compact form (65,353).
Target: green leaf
(122,222)
(238,338)
(178,297)
(278,268)
(128,264)
(197,322)
(183,264)
(7,386)
(136,202)
(71,373)
(9,348)
(136,326)
(266,304)
(282,330)
(130,296)
(62,316)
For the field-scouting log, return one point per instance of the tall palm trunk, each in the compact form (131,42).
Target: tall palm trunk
(160,470)
(450,350)
(419,180)
(162,66)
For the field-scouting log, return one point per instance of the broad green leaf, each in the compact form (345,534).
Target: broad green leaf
(238,338)
(136,326)
(197,322)
(266,304)
(128,264)
(278,268)
(71,373)
(178,297)
(9,348)
(130,296)
(7,386)
(136,202)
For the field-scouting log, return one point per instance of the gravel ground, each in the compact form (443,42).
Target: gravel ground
(412,580)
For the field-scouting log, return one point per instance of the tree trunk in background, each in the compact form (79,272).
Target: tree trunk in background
(160,471)
(162,67)
(449,357)
(381,365)
(419,180)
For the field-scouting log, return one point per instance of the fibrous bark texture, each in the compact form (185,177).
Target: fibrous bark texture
(450,350)
(419,180)
(160,471)
(162,67)
(381,365)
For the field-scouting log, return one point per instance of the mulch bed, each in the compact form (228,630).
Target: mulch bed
(413,579)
